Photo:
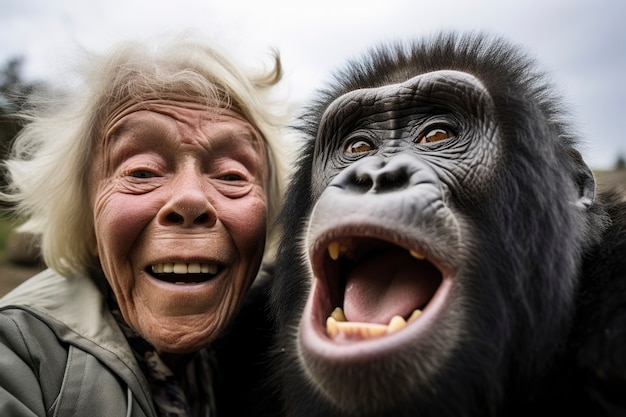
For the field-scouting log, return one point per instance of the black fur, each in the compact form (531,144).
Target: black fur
(541,296)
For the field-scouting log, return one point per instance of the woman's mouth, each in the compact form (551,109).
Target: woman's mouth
(184,273)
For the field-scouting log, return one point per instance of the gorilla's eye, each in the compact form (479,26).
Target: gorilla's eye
(436,135)
(359,146)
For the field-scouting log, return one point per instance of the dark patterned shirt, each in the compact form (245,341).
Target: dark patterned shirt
(191,397)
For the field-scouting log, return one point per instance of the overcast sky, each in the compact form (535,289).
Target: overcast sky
(581,42)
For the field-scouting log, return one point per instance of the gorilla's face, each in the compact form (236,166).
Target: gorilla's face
(412,248)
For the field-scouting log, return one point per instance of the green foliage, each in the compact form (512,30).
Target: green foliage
(6,226)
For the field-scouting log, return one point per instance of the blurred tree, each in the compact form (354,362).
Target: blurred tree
(10,75)
(621,163)
(14,92)
(10,86)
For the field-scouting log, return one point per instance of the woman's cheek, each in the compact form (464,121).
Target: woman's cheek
(248,221)
(251,210)
(119,218)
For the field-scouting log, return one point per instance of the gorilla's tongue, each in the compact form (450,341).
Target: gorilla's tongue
(387,284)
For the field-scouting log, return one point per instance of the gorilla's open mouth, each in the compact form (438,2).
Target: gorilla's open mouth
(183,273)
(369,287)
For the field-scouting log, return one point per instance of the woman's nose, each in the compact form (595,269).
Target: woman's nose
(186,218)
(189,204)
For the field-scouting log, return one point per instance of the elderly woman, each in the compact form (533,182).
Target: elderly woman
(151,187)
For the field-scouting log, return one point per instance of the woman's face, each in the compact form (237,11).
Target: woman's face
(179,203)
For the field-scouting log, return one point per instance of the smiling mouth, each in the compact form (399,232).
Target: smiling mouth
(372,287)
(184,273)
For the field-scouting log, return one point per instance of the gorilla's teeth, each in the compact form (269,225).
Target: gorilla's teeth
(361,331)
(338,314)
(396,323)
(416,255)
(414,315)
(337,324)
(333,250)
(331,327)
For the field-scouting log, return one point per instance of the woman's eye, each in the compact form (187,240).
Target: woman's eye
(436,135)
(231,177)
(141,173)
(359,146)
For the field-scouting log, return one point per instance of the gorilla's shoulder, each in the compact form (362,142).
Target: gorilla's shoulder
(600,334)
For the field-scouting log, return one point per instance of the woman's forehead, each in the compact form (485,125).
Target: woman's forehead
(155,124)
(172,107)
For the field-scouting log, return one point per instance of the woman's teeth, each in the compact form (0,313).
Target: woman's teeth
(184,268)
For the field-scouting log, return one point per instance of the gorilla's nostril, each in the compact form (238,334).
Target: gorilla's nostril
(391,181)
(362,183)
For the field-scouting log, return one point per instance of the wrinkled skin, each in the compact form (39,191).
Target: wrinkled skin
(439,178)
(175,182)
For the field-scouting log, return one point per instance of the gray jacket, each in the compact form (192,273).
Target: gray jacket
(62,354)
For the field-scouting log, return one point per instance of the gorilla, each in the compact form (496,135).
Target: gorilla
(444,251)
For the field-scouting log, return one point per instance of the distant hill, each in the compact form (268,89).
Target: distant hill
(612,179)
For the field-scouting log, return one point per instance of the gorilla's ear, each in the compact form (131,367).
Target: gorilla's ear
(584,179)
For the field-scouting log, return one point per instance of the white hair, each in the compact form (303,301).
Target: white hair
(50,159)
